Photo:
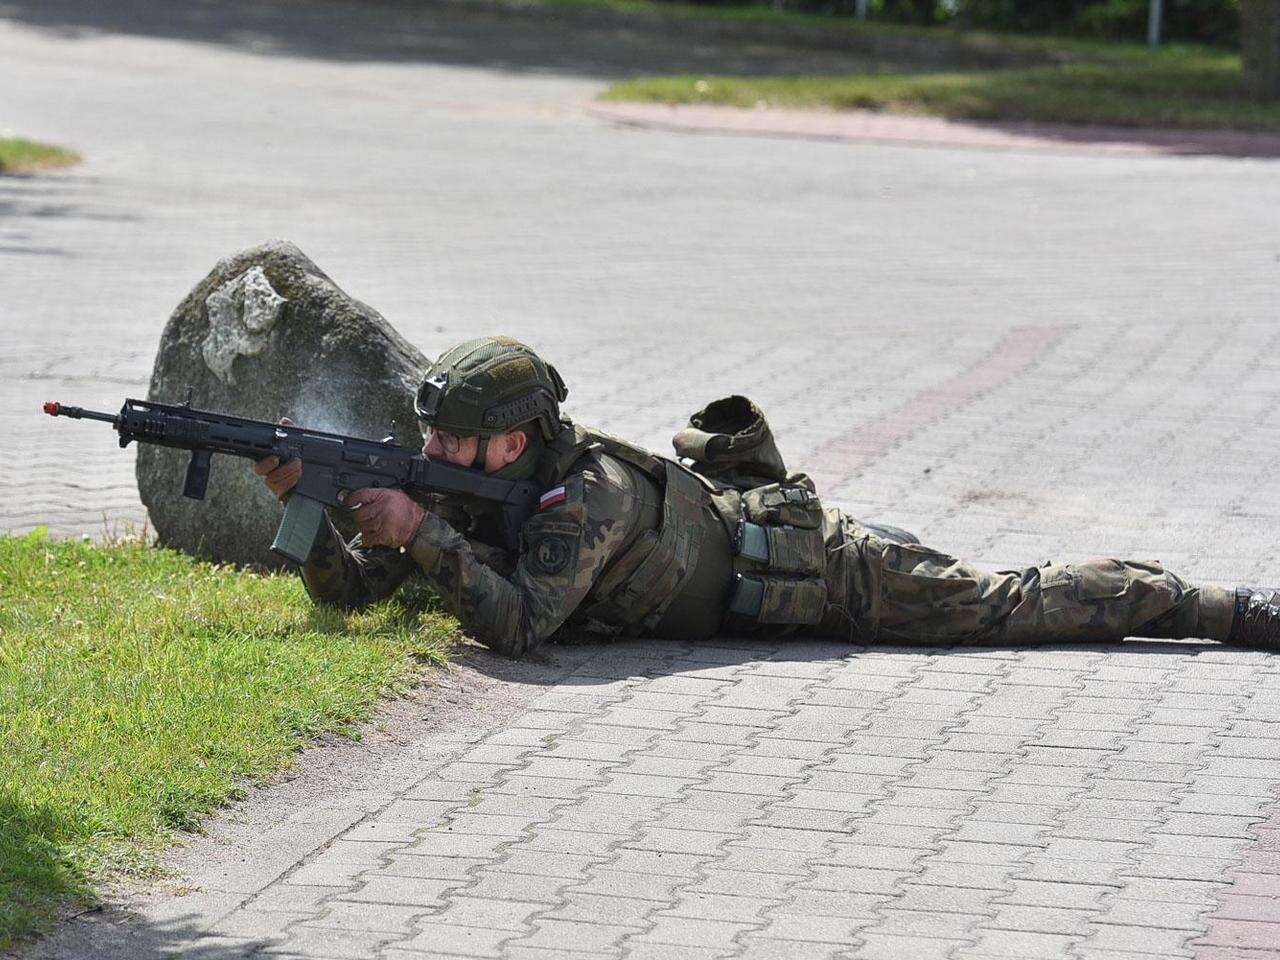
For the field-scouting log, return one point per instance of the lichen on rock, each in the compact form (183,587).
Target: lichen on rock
(242,313)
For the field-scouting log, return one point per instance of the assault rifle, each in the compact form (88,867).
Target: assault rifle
(332,465)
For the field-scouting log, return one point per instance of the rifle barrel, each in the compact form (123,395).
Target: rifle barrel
(55,409)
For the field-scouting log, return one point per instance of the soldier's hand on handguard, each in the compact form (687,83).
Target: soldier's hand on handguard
(387,518)
(279,477)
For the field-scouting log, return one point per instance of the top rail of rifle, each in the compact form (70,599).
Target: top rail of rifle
(181,410)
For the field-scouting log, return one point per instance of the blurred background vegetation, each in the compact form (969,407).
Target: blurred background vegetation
(1214,22)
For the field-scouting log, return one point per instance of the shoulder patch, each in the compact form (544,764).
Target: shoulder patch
(552,497)
(551,554)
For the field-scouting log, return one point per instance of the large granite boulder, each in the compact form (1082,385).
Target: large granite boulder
(266,335)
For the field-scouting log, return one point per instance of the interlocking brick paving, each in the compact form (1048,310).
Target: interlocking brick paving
(802,799)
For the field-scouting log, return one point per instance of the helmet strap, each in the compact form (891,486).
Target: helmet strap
(482,451)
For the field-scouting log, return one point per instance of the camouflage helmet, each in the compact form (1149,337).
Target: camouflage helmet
(488,386)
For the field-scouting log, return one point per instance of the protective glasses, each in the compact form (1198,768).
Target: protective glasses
(450,443)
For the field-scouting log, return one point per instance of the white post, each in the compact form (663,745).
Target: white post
(1154,16)
(860,9)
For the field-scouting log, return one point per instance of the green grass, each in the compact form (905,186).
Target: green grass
(18,155)
(1047,79)
(140,689)
(1187,91)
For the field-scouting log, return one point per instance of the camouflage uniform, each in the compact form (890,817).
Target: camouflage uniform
(875,587)
(509,603)
(724,539)
(910,593)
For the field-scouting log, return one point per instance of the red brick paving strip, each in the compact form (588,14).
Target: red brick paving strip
(935,131)
(844,456)
(1246,924)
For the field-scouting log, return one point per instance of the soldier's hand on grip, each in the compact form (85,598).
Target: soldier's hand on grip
(279,477)
(386,517)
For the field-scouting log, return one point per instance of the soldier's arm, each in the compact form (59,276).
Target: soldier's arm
(564,549)
(351,575)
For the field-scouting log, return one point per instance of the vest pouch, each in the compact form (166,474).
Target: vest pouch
(782,549)
(783,504)
(779,600)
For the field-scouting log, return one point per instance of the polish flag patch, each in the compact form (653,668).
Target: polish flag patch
(551,498)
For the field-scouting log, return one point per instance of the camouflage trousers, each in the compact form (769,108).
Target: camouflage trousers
(883,591)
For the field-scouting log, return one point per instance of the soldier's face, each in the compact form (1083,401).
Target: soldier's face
(440,445)
(503,449)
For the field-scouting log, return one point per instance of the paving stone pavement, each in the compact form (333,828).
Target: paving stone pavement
(799,799)
(1019,356)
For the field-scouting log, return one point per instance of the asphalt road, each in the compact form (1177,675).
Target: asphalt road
(1018,355)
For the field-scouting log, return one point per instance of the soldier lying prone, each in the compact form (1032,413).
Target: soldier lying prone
(624,542)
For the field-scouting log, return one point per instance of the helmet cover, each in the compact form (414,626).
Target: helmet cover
(488,386)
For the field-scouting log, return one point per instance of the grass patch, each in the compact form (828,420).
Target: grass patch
(18,155)
(1181,90)
(1045,79)
(140,689)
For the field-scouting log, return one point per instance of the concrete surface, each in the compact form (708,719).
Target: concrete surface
(1017,355)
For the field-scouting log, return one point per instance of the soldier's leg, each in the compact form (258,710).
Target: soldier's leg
(915,594)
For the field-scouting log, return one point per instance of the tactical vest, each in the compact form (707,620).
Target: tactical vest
(776,523)
(672,577)
(714,550)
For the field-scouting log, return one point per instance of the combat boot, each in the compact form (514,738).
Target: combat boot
(1257,619)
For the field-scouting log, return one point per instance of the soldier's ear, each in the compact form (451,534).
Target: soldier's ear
(514,443)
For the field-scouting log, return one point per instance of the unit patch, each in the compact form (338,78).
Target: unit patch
(550,554)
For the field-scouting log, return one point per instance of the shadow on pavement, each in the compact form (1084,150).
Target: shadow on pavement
(429,32)
(28,198)
(583,664)
(1176,143)
(118,934)
(861,126)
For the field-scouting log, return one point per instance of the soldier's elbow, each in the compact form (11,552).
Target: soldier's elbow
(516,644)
